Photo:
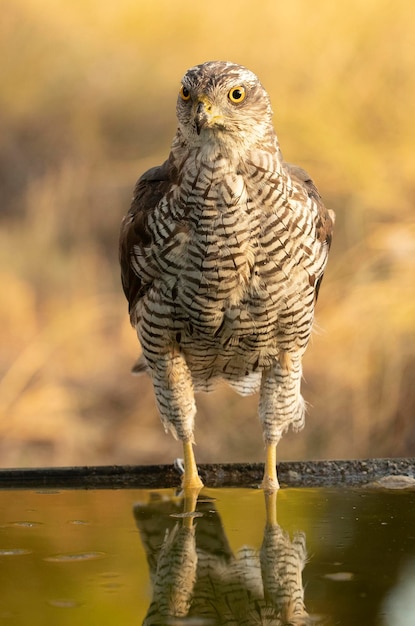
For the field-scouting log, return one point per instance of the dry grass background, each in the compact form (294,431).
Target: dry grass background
(87,103)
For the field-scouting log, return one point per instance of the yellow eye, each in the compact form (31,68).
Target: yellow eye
(237,94)
(184,93)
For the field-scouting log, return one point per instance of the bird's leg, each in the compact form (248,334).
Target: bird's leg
(280,406)
(191,478)
(190,496)
(270,479)
(175,399)
(271,507)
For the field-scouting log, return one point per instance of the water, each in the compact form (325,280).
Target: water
(123,557)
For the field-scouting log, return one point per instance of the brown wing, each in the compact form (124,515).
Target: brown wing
(149,190)
(327,217)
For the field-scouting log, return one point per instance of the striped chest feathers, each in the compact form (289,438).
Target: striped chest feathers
(223,246)
(226,248)
(219,254)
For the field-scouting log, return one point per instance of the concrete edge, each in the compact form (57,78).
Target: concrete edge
(333,473)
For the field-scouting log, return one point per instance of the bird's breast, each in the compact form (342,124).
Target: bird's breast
(220,253)
(224,259)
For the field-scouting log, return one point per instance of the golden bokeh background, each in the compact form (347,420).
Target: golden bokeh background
(87,103)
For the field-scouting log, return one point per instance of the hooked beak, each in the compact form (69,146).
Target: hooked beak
(206,115)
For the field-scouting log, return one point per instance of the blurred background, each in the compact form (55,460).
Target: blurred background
(87,103)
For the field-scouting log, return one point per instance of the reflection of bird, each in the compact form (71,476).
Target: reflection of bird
(197,579)
(222,255)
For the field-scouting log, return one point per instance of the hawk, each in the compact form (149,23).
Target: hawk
(222,255)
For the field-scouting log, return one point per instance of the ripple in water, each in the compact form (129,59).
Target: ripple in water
(75,557)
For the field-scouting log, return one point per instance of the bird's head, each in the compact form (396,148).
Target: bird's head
(219,100)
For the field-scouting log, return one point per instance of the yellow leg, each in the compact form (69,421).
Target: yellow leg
(271,507)
(189,506)
(191,478)
(270,480)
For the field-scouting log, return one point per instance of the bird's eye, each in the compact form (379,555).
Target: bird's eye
(237,94)
(184,93)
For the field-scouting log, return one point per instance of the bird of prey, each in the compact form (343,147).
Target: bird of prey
(222,255)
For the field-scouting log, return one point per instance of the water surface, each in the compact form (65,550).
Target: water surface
(122,557)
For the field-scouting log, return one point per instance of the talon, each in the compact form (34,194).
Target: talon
(179,465)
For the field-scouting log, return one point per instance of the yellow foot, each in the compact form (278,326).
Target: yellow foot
(190,502)
(270,480)
(270,484)
(192,482)
(191,478)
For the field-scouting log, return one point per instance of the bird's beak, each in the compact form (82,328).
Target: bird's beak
(206,114)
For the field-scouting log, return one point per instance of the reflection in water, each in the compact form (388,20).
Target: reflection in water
(399,604)
(197,579)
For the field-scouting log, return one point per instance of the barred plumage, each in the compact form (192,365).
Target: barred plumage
(222,255)
(196,578)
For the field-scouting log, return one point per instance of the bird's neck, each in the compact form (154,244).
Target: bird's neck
(218,155)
